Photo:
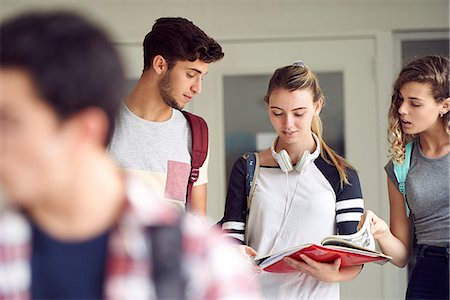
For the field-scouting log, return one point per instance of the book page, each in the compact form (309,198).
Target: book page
(323,254)
(353,249)
(275,256)
(362,251)
(363,238)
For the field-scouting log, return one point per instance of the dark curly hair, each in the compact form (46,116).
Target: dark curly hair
(176,39)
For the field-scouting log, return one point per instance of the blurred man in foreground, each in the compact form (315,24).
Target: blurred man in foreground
(76,227)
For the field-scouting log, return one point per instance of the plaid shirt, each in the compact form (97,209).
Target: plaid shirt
(215,269)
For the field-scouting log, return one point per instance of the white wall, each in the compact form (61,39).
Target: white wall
(239,21)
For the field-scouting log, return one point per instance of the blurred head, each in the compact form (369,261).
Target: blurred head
(294,100)
(61,86)
(179,52)
(420,102)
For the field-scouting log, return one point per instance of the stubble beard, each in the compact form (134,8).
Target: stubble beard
(165,86)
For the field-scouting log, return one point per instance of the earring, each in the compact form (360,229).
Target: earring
(441,114)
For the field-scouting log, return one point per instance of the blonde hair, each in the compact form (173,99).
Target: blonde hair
(298,77)
(432,70)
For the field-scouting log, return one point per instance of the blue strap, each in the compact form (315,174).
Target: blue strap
(250,160)
(401,171)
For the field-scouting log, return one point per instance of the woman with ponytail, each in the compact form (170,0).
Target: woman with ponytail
(304,192)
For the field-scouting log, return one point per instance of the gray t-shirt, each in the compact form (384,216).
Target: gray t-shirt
(158,152)
(428,193)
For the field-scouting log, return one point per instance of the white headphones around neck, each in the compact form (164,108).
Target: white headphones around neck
(284,161)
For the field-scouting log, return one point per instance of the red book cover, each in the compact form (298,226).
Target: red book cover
(328,254)
(353,249)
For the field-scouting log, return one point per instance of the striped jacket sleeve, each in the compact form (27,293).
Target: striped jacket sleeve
(349,205)
(234,219)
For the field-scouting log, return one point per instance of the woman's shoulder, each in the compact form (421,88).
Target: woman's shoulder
(331,172)
(326,165)
(266,159)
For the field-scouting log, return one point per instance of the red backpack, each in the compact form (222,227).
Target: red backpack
(199,133)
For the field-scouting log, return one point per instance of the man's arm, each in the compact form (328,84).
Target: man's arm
(198,200)
(198,193)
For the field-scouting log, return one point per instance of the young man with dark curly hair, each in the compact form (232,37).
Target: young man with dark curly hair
(153,137)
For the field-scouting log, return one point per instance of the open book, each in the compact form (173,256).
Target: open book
(353,249)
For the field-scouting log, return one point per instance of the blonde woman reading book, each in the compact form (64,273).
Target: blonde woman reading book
(304,192)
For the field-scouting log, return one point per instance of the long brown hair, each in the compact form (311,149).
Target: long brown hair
(432,70)
(298,77)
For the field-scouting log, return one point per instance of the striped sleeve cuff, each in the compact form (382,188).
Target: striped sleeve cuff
(349,210)
(350,204)
(348,214)
(235,230)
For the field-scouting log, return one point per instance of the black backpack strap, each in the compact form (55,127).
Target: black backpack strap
(166,261)
(199,133)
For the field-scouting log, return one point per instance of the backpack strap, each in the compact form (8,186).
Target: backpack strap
(252,171)
(165,242)
(199,134)
(401,171)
